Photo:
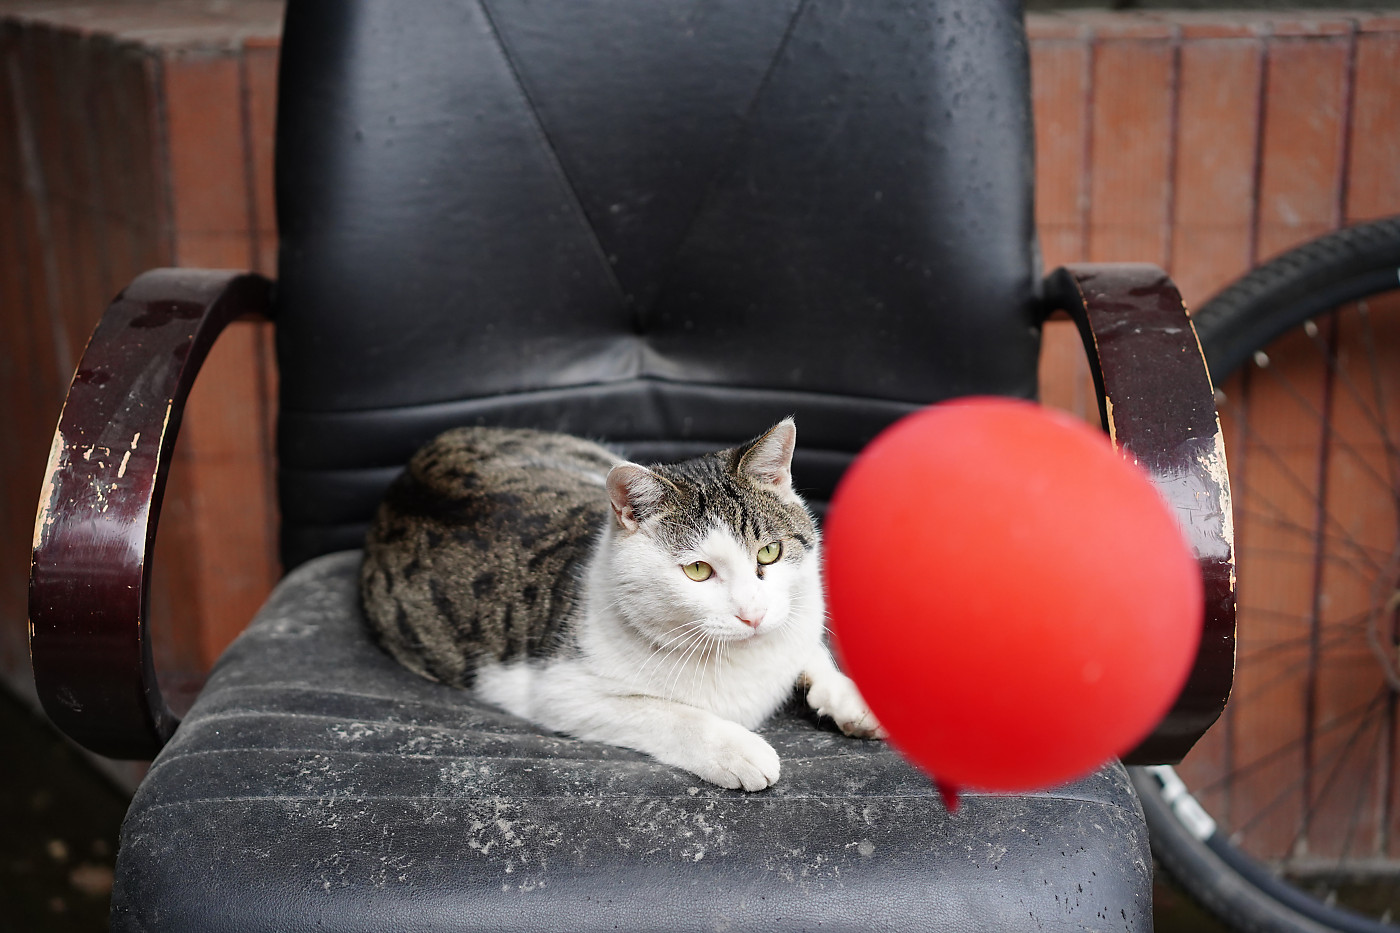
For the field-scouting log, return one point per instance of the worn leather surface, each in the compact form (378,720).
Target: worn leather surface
(661,224)
(316,785)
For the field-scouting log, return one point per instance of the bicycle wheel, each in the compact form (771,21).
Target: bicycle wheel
(1286,816)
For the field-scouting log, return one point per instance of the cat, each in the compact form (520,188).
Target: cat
(669,609)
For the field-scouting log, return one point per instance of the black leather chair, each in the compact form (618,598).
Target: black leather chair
(665,224)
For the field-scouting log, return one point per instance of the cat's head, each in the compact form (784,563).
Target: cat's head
(720,544)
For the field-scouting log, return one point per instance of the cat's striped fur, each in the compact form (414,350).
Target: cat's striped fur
(550,576)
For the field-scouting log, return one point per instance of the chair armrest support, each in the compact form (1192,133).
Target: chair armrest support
(1158,406)
(100,503)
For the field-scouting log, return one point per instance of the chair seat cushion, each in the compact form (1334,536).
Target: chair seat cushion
(316,785)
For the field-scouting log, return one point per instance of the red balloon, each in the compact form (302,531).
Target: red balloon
(1015,601)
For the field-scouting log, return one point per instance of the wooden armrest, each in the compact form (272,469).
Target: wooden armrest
(93,538)
(1158,406)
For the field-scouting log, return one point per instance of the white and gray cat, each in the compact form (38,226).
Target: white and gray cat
(669,609)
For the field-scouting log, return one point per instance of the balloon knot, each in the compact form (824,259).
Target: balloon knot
(949,793)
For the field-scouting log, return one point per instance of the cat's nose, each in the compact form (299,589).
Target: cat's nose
(752,619)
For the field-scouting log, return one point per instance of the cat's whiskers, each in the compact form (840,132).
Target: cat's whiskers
(680,629)
(613,604)
(669,646)
(721,666)
(721,671)
(679,667)
(694,659)
(672,675)
(797,605)
(699,666)
(711,656)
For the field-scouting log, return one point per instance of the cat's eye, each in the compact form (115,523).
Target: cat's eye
(698,571)
(770,552)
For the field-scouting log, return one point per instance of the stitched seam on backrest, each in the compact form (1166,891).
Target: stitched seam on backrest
(725,165)
(553,151)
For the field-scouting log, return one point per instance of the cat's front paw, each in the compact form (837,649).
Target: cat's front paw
(731,756)
(834,695)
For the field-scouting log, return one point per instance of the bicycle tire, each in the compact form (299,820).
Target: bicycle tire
(1292,291)
(1188,846)
(1292,288)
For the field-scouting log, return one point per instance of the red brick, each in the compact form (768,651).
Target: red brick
(271,40)
(1109,25)
(160,24)
(49,183)
(1378,23)
(260,90)
(34,316)
(82,258)
(1054,26)
(203,100)
(1216,24)
(178,602)
(124,186)
(230,493)
(1129,154)
(1205,764)
(231,489)
(1059,85)
(1300,181)
(1218,121)
(152,247)
(147,196)
(42,79)
(213,250)
(1374,173)
(1065,380)
(1307,26)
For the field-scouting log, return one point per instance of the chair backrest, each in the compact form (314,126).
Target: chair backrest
(662,223)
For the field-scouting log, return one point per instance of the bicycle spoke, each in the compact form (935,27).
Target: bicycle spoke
(1333,559)
(1334,637)
(1338,633)
(1332,435)
(1337,722)
(1283,619)
(1392,453)
(1275,618)
(1281,521)
(1298,484)
(1359,798)
(1330,359)
(1311,497)
(1372,554)
(1388,776)
(1325,422)
(1376,418)
(1288,672)
(1338,758)
(1277,800)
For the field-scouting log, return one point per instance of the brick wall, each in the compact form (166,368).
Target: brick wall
(140,134)
(1206,143)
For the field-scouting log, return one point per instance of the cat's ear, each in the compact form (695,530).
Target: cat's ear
(768,458)
(633,491)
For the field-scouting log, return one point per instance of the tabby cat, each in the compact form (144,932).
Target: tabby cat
(669,609)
